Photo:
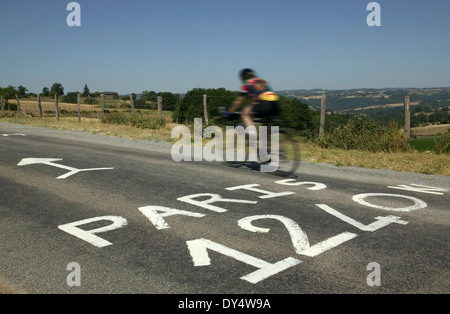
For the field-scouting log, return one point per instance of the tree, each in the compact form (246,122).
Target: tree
(149,96)
(296,114)
(21,91)
(9,92)
(45,91)
(169,100)
(58,89)
(191,105)
(85,91)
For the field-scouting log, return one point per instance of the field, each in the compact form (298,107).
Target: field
(425,138)
(30,106)
(424,144)
(382,106)
(431,130)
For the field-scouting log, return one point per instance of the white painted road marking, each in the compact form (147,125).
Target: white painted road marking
(198,250)
(212,199)
(420,188)
(316,185)
(15,134)
(51,162)
(156,213)
(298,236)
(418,204)
(380,223)
(89,236)
(253,187)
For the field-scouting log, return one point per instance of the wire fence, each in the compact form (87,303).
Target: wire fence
(47,107)
(55,108)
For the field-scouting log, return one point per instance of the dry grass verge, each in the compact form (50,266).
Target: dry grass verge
(413,161)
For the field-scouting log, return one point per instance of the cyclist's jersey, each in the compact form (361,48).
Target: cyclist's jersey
(258,89)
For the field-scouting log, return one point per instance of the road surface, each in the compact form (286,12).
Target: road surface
(91,214)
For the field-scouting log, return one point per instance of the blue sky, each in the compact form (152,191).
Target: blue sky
(176,45)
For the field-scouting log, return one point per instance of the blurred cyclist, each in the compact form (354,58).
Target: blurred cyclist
(264,102)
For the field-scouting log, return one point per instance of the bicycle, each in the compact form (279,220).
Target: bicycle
(286,155)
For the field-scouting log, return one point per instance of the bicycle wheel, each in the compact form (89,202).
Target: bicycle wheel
(288,155)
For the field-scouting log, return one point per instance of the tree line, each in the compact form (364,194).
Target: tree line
(10,92)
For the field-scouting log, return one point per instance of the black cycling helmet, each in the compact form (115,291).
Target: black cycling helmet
(246,74)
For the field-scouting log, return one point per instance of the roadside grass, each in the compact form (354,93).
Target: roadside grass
(414,160)
(4,290)
(95,126)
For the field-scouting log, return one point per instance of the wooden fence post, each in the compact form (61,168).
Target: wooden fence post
(56,107)
(132,105)
(160,111)
(407,118)
(205,108)
(39,106)
(19,111)
(322,115)
(103,105)
(78,108)
(3,104)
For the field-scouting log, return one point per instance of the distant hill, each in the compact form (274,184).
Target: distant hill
(369,98)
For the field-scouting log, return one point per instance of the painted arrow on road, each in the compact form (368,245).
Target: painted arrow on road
(51,162)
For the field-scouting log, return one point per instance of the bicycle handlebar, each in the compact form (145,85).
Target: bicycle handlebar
(231,115)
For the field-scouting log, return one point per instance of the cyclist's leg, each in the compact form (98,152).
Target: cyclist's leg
(267,111)
(247,114)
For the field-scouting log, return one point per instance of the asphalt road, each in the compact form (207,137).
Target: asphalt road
(135,221)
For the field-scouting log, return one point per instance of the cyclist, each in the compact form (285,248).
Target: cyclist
(264,102)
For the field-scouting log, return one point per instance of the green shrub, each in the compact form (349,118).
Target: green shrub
(91,101)
(70,98)
(443,144)
(363,133)
(115,118)
(11,106)
(141,104)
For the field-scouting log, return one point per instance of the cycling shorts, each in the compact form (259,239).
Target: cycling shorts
(266,109)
